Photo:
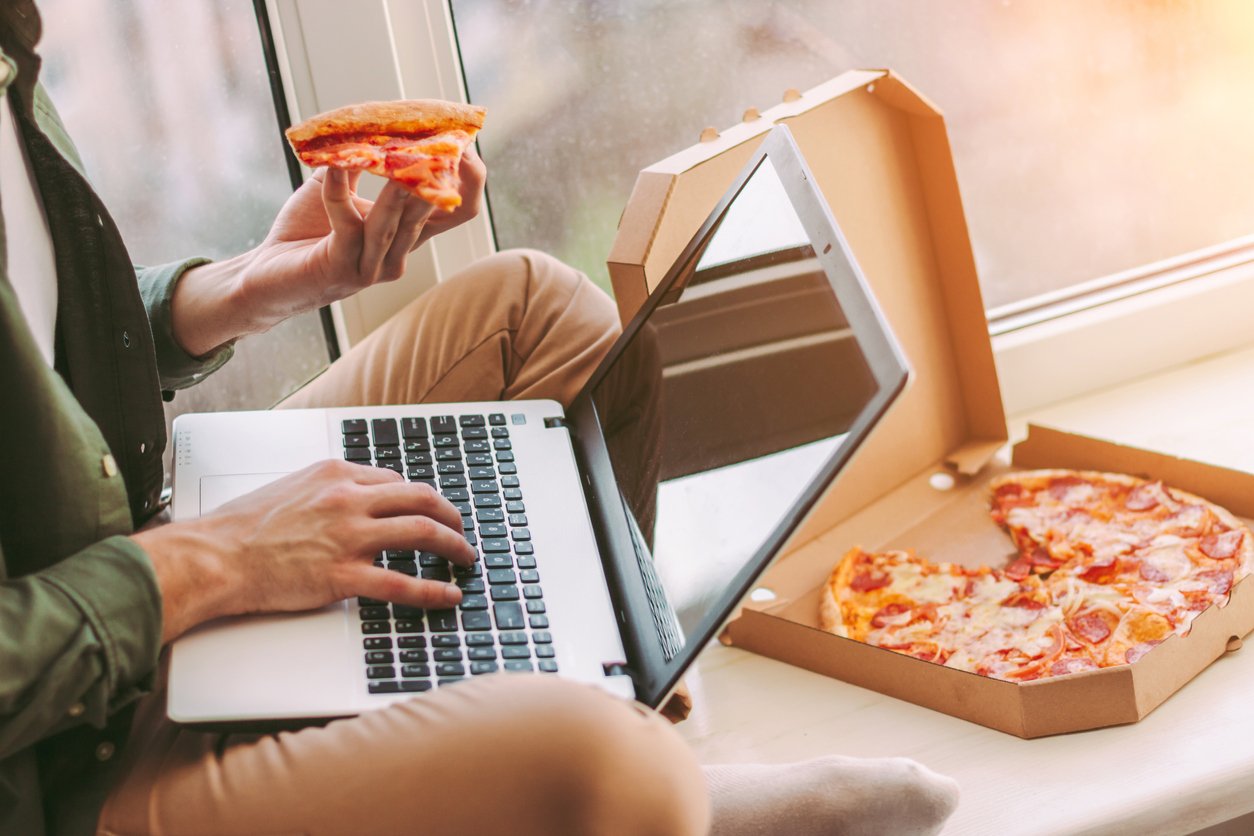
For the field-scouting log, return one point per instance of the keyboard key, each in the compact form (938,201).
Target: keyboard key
(450,669)
(387,453)
(548,666)
(447,468)
(411,641)
(509,481)
(471,586)
(417,445)
(385,432)
(357,454)
(500,432)
(504,593)
(482,473)
(526,563)
(457,495)
(384,688)
(478,459)
(442,621)
(486,515)
(449,680)
(474,433)
(492,530)
(513,495)
(484,486)
(495,544)
(413,428)
(468,524)
(361,440)
(374,613)
(518,665)
(532,591)
(448,454)
(362,600)
(502,576)
(478,654)
(470,420)
(475,620)
(515,507)
(504,456)
(480,640)
(477,447)
(379,657)
(517,519)
(523,534)
(477,668)
(437,573)
(455,480)
(453,640)
(509,616)
(524,548)
(444,441)
(408,626)
(514,637)
(421,471)
(415,685)
(369,627)
(414,671)
(508,469)
(497,419)
(542,637)
(502,444)
(538,621)
(545,651)
(535,606)
(406,612)
(391,464)
(418,460)
(443,424)
(471,537)
(502,560)
(398,554)
(412,657)
(377,643)
(463,508)
(405,567)
(353,426)
(380,672)
(529,576)
(516,652)
(426,559)
(474,570)
(474,602)
(447,654)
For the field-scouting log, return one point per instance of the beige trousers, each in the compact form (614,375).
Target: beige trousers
(517,754)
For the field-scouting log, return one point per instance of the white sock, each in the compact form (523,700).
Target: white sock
(832,795)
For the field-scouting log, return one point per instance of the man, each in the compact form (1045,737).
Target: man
(93,586)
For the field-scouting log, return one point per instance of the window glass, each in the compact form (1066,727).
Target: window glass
(1090,136)
(170,107)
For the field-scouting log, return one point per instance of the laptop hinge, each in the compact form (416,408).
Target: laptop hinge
(554,423)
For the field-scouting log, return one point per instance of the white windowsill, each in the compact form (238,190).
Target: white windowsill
(1183,768)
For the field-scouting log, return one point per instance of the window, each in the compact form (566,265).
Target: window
(1090,136)
(170,106)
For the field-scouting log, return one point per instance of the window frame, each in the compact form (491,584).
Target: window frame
(1048,348)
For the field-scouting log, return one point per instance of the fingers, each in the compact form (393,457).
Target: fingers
(413,499)
(381,227)
(364,474)
(337,198)
(386,585)
(420,533)
(409,230)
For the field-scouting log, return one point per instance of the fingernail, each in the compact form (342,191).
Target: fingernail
(452,594)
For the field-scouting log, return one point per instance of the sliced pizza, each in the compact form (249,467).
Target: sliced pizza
(419,143)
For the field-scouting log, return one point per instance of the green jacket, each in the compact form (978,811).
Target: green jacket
(80,467)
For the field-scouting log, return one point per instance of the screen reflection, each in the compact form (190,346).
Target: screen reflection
(729,400)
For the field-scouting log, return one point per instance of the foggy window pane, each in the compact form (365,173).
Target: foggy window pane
(1090,136)
(169,105)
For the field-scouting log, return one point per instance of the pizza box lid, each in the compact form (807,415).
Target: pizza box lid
(880,154)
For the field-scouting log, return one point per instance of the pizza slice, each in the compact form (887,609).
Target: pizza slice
(419,143)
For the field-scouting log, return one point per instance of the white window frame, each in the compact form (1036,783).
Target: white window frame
(1048,349)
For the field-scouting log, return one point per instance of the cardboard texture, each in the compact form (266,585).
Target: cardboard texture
(881,156)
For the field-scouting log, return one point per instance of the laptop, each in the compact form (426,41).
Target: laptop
(615,537)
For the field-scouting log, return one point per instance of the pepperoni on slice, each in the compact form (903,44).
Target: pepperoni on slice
(1042,558)
(1221,546)
(1143,497)
(1008,490)
(1066,666)
(1091,627)
(1218,581)
(1020,569)
(880,619)
(1153,574)
(1024,600)
(866,581)
(1058,488)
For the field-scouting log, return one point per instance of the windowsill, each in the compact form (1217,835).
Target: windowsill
(1180,769)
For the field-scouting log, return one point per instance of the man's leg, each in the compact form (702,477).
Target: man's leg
(512,753)
(518,324)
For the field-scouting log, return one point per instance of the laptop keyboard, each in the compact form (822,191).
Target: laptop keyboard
(501,623)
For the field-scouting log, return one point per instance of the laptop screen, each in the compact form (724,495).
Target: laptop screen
(746,382)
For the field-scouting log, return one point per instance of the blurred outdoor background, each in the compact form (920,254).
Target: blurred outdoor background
(1090,136)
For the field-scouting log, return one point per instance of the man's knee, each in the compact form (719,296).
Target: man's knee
(549,287)
(623,768)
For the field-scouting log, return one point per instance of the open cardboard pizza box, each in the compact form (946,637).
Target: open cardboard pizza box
(881,156)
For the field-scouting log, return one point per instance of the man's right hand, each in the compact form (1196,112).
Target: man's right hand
(304,541)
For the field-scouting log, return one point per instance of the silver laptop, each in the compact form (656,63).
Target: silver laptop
(615,537)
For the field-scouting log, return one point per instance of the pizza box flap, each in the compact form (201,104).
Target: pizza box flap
(880,154)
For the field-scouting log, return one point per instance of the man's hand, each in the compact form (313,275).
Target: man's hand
(326,244)
(304,541)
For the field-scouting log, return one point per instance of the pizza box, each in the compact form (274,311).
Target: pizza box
(880,153)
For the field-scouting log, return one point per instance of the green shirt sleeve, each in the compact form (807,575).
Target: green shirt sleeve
(79,640)
(177,368)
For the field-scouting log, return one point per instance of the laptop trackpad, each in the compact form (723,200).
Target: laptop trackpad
(219,490)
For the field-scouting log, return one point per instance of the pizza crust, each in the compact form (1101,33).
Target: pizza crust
(405,117)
